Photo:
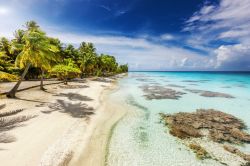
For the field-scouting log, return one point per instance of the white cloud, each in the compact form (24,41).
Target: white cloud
(229,20)
(233,56)
(139,52)
(167,37)
(229,15)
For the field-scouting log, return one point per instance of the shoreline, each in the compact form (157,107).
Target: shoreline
(95,152)
(67,136)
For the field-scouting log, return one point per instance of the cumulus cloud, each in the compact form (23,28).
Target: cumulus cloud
(227,21)
(140,53)
(233,57)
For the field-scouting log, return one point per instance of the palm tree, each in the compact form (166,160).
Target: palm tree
(66,70)
(87,57)
(107,64)
(36,51)
(5,60)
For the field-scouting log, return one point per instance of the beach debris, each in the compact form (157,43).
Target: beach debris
(200,152)
(205,93)
(160,92)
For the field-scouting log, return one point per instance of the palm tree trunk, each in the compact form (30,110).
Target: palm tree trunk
(12,92)
(65,81)
(41,84)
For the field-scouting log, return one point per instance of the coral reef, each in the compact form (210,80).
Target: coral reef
(160,92)
(201,153)
(222,127)
(209,93)
(211,125)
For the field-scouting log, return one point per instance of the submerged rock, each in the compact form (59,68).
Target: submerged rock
(215,94)
(160,92)
(184,131)
(236,151)
(222,127)
(210,93)
(211,125)
(201,153)
(176,86)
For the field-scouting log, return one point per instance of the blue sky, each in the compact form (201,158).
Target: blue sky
(146,34)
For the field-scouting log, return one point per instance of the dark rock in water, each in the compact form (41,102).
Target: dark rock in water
(193,84)
(184,131)
(190,81)
(194,90)
(201,81)
(215,125)
(201,153)
(226,87)
(215,94)
(160,92)
(177,86)
(144,79)
(241,86)
(210,93)
(222,127)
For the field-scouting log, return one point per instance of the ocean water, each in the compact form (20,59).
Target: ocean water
(139,139)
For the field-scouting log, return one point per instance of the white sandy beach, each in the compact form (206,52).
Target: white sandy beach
(71,126)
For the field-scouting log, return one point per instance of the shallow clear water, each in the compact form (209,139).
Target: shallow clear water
(140,140)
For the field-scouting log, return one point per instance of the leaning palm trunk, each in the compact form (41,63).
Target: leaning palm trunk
(41,84)
(12,92)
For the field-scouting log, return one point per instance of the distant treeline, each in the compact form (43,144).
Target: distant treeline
(32,54)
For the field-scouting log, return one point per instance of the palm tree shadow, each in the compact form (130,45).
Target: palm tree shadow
(77,110)
(2,106)
(74,96)
(9,123)
(7,138)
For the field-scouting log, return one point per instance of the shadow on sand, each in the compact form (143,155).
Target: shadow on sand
(74,96)
(76,110)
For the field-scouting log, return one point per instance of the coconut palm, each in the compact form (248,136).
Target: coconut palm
(107,64)
(66,70)
(87,57)
(36,51)
(5,60)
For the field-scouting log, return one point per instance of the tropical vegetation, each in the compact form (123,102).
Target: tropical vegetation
(31,54)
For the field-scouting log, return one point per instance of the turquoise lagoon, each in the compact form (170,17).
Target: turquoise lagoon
(138,139)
